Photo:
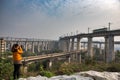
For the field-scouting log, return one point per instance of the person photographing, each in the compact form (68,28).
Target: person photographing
(17,60)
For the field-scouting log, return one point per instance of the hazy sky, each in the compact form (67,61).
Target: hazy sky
(50,19)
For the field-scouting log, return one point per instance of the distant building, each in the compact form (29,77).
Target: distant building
(2,46)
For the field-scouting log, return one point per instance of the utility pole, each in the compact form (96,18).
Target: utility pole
(71,33)
(67,34)
(88,30)
(76,32)
(109,24)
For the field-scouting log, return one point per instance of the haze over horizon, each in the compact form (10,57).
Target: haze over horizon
(50,19)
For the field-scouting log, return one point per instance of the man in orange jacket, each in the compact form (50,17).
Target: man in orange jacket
(17,51)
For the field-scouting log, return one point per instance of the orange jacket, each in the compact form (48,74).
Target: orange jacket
(17,55)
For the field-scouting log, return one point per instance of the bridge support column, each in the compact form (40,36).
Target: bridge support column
(62,45)
(47,45)
(68,45)
(42,45)
(50,64)
(73,56)
(90,51)
(72,45)
(100,46)
(26,46)
(38,47)
(84,45)
(33,47)
(78,44)
(65,45)
(11,44)
(79,58)
(109,49)
(69,59)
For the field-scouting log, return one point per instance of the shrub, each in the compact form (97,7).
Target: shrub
(89,60)
(6,69)
(45,73)
(32,67)
(114,67)
(68,69)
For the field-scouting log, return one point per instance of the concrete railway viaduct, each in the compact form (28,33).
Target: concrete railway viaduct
(66,44)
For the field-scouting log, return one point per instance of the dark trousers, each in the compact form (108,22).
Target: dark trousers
(16,73)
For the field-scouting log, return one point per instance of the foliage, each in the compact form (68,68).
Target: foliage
(8,53)
(69,68)
(89,60)
(117,56)
(39,68)
(114,67)
(6,69)
(45,72)
(62,67)
(32,67)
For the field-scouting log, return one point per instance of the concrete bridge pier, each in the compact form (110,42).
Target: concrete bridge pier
(46,45)
(11,44)
(76,56)
(63,46)
(72,45)
(73,57)
(38,47)
(100,46)
(79,57)
(60,44)
(42,45)
(33,47)
(83,45)
(26,46)
(78,44)
(50,62)
(90,51)
(68,57)
(109,49)
(68,45)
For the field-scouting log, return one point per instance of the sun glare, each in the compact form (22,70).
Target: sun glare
(111,4)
